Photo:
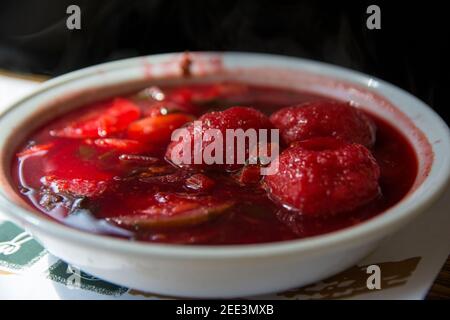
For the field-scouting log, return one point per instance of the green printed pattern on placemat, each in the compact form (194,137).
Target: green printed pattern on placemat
(74,278)
(18,250)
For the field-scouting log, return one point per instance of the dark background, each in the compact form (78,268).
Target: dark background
(411,50)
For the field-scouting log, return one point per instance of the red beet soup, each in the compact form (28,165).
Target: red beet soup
(104,168)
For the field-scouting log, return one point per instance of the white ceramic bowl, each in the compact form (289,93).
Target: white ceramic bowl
(225,271)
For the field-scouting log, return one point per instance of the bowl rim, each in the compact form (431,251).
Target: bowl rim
(390,218)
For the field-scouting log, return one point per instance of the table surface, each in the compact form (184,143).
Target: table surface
(441,286)
(440,289)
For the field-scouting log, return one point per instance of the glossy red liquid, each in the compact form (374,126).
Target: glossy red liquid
(254,218)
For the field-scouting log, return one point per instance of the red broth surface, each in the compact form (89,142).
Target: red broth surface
(254,218)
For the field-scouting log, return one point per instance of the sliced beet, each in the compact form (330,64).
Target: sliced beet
(123,145)
(249,175)
(115,117)
(171,210)
(157,129)
(79,187)
(72,167)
